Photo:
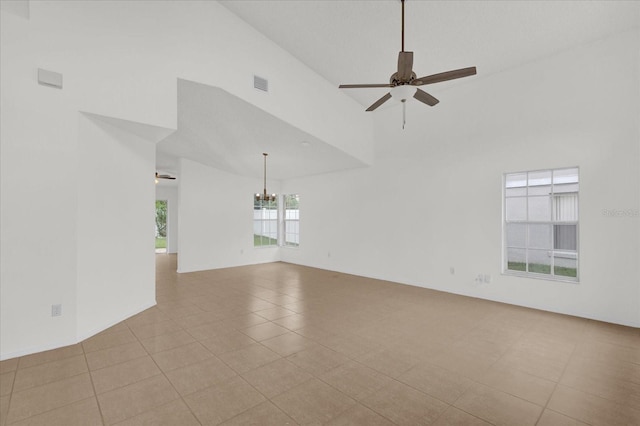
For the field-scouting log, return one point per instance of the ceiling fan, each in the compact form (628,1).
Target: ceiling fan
(403,82)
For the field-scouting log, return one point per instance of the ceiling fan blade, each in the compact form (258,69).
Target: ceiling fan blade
(444,76)
(362,86)
(379,102)
(424,97)
(158,176)
(405,65)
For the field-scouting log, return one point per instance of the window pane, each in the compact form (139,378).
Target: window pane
(540,208)
(539,261)
(565,266)
(516,180)
(540,236)
(516,259)
(565,237)
(565,176)
(565,187)
(565,207)
(516,208)
(540,190)
(516,235)
(539,178)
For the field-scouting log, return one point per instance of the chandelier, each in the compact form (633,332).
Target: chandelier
(264,196)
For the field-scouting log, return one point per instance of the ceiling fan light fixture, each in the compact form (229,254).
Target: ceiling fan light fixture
(403,92)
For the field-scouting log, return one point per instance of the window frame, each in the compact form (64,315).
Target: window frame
(551,222)
(285,220)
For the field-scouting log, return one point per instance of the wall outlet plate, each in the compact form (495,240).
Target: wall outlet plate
(56,310)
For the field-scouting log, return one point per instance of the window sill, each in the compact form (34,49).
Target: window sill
(555,278)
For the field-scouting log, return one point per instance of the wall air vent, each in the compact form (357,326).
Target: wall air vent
(261,83)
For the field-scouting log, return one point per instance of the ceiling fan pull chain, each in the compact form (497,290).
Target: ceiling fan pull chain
(404,113)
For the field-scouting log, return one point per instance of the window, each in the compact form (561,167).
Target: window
(541,223)
(265,223)
(291,220)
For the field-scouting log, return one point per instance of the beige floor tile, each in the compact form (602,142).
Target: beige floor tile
(48,397)
(318,359)
(264,414)
(4,409)
(148,316)
(356,380)
(351,346)
(123,403)
(551,418)
(198,376)
(618,382)
(126,373)
(313,402)
(49,356)
(392,362)
(292,322)
(174,413)
(466,364)
(438,382)
(115,355)
(276,377)
(404,405)
(264,331)
(167,341)
(240,322)
(249,357)
(455,417)
(223,401)
(50,372)
(591,409)
(498,407)
(146,331)
(227,342)
(181,356)
(6,382)
(108,340)
(198,319)
(288,343)
(359,415)
(274,313)
(209,330)
(531,388)
(9,365)
(81,413)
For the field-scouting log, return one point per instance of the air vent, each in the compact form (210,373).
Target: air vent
(261,83)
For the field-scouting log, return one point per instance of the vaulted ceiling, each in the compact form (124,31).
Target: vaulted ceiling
(358,41)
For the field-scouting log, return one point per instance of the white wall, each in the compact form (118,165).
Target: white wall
(170,194)
(119,60)
(436,186)
(115,225)
(216,219)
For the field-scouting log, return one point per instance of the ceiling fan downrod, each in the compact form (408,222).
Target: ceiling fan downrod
(402,25)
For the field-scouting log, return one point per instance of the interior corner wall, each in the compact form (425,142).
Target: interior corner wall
(170,194)
(116,263)
(215,219)
(433,199)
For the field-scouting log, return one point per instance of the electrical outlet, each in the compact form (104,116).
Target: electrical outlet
(56,310)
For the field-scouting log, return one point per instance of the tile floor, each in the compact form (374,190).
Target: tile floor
(279,344)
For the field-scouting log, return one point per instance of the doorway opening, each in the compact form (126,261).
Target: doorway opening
(161,226)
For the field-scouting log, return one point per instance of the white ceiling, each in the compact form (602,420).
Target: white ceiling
(349,41)
(223,131)
(358,41)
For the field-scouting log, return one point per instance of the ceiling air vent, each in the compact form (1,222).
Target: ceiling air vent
(261,83)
